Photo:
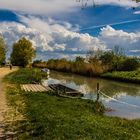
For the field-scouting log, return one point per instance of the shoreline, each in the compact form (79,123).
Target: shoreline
(116,79)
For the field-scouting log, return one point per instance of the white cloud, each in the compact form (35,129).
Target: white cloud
(37,6)
(123,3)
(137,12)
(135,51)
(49,36)
(127,41)
(54,6)
(54,40)
(62,35)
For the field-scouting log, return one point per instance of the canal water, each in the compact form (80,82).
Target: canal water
(122,99)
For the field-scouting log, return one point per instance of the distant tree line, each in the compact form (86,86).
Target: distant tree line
(95,64)
(114,60)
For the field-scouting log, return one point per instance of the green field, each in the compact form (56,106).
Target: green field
(130,76)
(50,117)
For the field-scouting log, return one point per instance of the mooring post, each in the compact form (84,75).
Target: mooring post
(64,90)
(98,93)
(57,89)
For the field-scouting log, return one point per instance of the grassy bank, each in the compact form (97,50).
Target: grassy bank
(49,116)
(125,76)
(26,76)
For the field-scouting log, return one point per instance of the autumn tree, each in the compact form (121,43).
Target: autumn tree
(23,52)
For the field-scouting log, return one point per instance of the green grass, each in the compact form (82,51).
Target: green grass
(126,76)
(26,76)
(50,117)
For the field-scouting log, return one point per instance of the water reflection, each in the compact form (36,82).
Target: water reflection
(123,92)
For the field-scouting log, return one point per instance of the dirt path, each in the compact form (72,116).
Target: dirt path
(3,102)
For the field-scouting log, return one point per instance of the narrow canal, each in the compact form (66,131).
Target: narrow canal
(124,98)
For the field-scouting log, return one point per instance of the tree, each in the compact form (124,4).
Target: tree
(130,64)
(93,56)
(118,51)
(79,59)
(107,58)
(23,52)
(2,50)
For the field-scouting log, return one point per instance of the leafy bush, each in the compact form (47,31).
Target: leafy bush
(119,62)
(130,64)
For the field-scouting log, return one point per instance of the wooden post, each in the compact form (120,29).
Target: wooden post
(64,90)
(57,89)
(98,93)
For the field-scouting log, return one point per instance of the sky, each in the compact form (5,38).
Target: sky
(63,29)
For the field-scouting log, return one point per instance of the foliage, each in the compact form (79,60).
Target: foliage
(23,53)
(2,50)
(26,75)
(108,64)
(127,76)
(79,59)
(102,63)
(119,62)
(114,60)
(39,64)
(107,58)
(117,50)
(130,64)
(111,60)
(78,66)
(52,117)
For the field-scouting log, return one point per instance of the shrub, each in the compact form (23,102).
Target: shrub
(130,64)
